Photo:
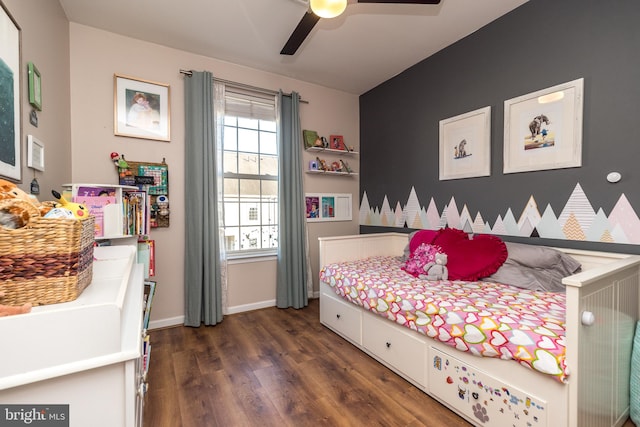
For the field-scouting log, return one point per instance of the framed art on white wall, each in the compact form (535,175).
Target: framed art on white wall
(465,145)
(543,129)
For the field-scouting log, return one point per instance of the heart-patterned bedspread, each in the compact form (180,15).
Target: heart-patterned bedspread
(482,318)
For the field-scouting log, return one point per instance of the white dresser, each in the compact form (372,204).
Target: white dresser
(84,353)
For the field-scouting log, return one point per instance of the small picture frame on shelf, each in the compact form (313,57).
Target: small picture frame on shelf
(336,142)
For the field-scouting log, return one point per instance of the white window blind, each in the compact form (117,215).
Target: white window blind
(250,105)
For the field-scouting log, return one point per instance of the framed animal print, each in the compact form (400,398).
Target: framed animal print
(543,129)
(465,145)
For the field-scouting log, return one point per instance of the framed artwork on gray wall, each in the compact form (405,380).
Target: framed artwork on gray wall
(465,145)
(543,129)
(10,87)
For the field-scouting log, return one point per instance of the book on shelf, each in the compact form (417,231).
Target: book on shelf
(310,137)
(136,214)
(146,256)
(152,257)
(149,293)
(89,191)
(96,206)
(146,355)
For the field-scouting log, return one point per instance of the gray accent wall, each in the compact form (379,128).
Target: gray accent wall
(541,44)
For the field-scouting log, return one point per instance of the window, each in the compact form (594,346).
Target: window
(250,165)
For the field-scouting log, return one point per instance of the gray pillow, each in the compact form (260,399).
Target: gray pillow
(407,250)
(538,268)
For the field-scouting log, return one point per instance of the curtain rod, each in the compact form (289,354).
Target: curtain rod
(189,73)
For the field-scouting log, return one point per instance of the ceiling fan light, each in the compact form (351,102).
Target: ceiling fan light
(328,8)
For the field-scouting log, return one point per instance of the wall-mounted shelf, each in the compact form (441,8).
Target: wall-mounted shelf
(339,170)
(331,151)
(319,172)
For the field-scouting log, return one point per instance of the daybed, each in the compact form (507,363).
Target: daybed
(602,305)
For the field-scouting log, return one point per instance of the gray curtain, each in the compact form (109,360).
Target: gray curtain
(202,265)
(291,287)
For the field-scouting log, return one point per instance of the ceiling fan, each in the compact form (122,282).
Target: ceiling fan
(329,9)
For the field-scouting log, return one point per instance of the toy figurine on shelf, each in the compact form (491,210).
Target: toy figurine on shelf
(124,172)
(322,165)
(163,205)
(120,162)
(78,210)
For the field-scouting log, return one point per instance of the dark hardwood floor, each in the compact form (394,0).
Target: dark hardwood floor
(275,367)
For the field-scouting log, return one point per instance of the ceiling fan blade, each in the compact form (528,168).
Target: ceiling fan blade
(306,24)
(401,1)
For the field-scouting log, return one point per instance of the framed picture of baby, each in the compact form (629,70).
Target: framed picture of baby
(141,108)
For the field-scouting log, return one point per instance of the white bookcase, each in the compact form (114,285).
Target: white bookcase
(113,220)
(85,353)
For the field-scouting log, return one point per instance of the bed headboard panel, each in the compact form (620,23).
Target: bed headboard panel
(359,246)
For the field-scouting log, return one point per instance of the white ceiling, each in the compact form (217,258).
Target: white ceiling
(355,52)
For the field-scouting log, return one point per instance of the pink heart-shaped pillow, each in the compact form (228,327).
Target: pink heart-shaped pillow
(471,259)
(420,237)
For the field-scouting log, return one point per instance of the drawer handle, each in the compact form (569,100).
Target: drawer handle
(388,344)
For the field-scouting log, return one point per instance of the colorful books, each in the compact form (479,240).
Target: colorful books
(146,256)
(88,191)
(309,137)
(95,205)
(136,213)
(149,293)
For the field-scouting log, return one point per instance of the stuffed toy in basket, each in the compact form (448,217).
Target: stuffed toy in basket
(42,260)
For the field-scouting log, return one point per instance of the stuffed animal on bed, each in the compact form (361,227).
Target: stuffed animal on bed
(436,270)
(420,256)
(9,310)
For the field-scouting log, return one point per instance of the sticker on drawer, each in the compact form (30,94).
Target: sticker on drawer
(481,397)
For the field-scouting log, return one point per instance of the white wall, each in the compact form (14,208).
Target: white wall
(95,56)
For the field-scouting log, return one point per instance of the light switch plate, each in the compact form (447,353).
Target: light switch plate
(35,153)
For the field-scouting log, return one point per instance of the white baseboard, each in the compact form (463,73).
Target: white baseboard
(166,323)
(179,320)
(249,307)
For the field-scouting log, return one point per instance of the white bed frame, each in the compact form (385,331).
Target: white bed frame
(602,310)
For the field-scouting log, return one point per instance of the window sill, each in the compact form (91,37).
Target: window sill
(241,258)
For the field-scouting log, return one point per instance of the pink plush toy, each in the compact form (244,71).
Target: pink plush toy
(424,254)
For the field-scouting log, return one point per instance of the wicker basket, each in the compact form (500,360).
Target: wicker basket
(48,261)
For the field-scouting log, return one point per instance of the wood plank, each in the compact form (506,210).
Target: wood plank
(274,367)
